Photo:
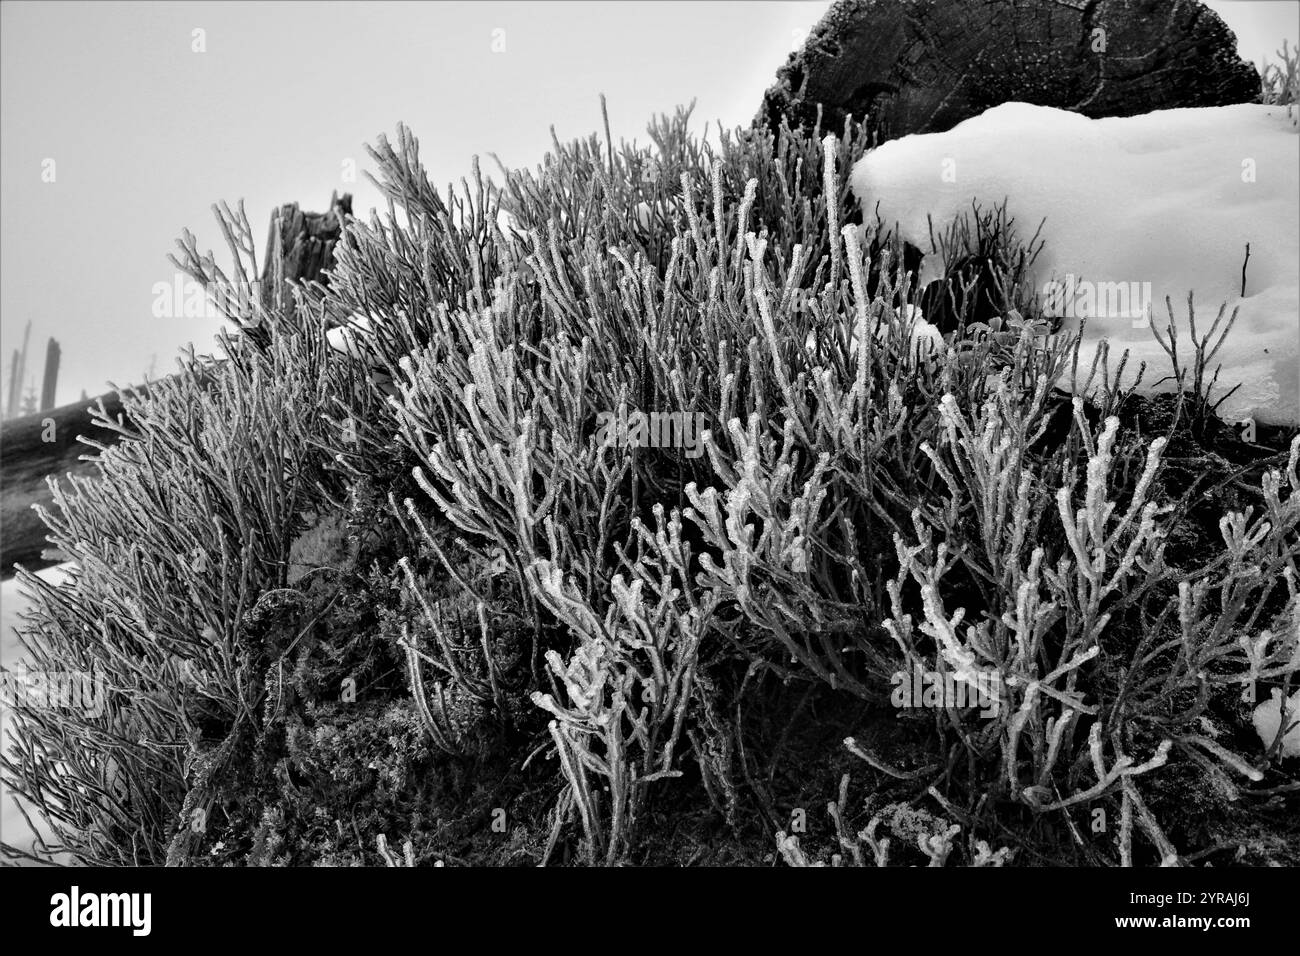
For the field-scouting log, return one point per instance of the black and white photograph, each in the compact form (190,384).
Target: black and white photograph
(647,434)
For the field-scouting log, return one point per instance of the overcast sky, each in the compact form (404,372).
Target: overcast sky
(145,133)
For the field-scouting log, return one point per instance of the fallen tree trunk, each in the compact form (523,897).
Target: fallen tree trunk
(33,448)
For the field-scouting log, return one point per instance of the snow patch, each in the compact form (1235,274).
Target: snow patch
(1166,201)
(344,338)
(14,602)
(926,339)
(1268,718)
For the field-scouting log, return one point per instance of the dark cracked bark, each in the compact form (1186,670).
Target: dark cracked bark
(922,66)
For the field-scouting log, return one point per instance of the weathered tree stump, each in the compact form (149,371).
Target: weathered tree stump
(303,242)
(923,66)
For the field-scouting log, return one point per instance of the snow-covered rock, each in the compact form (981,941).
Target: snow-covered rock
(1136,209)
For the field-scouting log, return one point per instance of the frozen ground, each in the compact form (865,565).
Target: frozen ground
(1167,200)
(13,828)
